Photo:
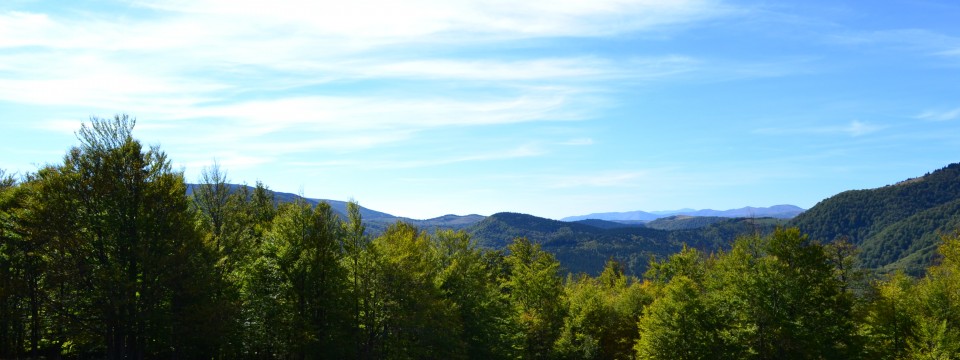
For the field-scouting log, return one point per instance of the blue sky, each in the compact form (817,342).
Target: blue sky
(555,108)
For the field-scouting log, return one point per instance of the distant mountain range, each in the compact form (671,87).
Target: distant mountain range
(777,211)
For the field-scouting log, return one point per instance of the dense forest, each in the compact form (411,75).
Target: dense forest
(105,255)
(896,227)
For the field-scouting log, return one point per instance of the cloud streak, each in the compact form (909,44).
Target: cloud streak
(855,128)
(264,68)
(939,115)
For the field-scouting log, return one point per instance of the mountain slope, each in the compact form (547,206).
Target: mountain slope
(604,224)
(895,226)
(684,222)
(581,247)
(376,221)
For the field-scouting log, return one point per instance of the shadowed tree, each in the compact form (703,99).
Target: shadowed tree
(304,247)
(130,268)
(417,322)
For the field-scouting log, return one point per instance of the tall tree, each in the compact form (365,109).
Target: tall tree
(536,292)
(471,284)
(683,310)
(21,270)
(890,321)
(358,260)
(306,250)
(131,267)
(417,321)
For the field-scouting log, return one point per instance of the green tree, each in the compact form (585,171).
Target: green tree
(417,321)
(601,321)
(681,324)
(683,310)
(306,252)
(363,263)
(21,273)
(536,292)
(783,299)
(889,324)
(937,307)
(227,217)
(129,268)
(471,284)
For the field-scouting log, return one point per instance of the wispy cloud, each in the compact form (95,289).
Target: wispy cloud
(259,68)
(939,115)
(417,18)
(524,151)
(925,41)
(854,129)
(578,142)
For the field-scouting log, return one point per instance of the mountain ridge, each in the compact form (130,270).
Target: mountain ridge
(377,220)
(784,211)
(895,227)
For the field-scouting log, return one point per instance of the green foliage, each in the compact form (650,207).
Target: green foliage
(21,270)
(127,266)
(304,244)
(418,322)
(472,285)
(536,293)
(918,319)
(681,324)
(602,312)
(774,297)
(784,298)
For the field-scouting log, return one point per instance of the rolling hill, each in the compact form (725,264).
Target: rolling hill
(896,226)
(582,247)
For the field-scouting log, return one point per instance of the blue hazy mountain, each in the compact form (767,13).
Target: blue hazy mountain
(777,211)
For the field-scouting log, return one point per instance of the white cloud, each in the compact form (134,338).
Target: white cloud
(253,69)
(195,59)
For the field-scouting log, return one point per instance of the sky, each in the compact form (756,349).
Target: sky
(421,108)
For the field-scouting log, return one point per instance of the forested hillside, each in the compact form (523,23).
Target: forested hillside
(583,247)
(106,256)
(896,226)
